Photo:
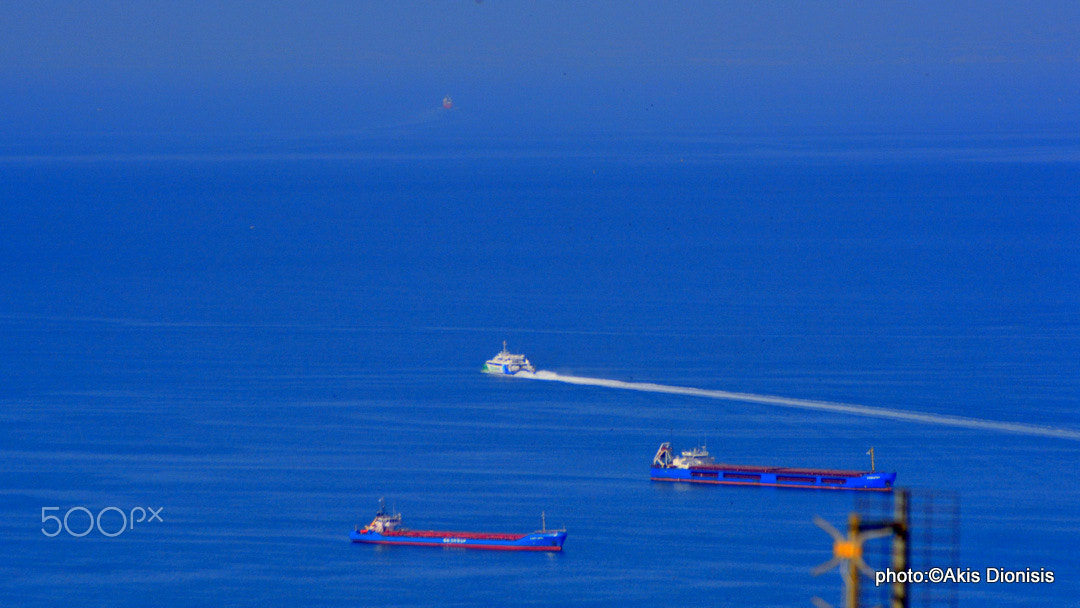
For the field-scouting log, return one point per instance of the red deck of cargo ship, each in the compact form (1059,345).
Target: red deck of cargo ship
(742,468)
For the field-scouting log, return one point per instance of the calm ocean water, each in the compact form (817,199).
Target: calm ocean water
(263,339)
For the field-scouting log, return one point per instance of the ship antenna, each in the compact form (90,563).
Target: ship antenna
(543,522)
(871,453)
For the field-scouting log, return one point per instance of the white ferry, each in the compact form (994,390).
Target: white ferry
(507,363)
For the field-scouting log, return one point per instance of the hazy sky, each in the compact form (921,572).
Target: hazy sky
(537,66)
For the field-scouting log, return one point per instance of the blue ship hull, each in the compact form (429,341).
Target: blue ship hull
(778,477)
(537,541)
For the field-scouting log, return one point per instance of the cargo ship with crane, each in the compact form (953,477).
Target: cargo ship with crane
(386,529)
(697,466)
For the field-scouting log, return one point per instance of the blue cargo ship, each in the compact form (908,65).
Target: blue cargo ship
(696,466)
(385,530)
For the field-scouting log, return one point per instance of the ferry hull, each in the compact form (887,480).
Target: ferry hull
(538,541)
(780,478)
(505,369)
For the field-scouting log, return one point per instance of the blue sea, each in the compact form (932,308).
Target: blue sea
(257,338)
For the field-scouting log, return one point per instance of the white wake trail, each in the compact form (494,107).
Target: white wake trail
(825,406)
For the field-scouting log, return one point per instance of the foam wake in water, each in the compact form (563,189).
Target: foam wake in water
(825,406)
